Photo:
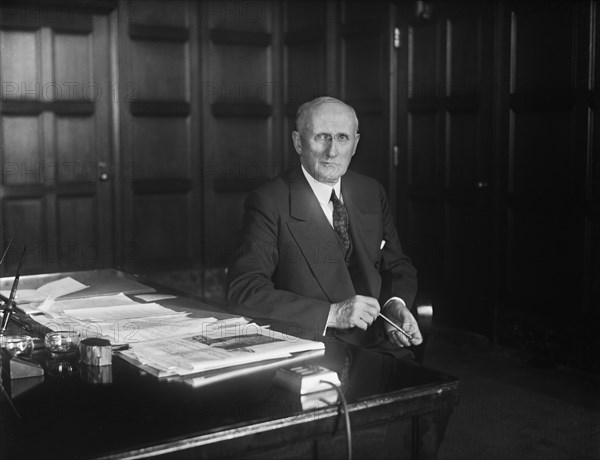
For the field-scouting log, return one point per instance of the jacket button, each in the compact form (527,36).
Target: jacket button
(377,265)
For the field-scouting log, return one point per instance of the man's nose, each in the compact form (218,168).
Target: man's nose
(332,148)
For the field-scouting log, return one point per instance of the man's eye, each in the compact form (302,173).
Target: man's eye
(322,137)
(342,138)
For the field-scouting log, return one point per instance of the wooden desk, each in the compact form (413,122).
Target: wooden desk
(63,416)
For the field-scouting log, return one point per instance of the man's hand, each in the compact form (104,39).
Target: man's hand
(399,314)
(358,311)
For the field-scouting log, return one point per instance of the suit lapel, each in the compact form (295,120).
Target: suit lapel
(317,240)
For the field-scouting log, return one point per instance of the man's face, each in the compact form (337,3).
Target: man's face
(327,142)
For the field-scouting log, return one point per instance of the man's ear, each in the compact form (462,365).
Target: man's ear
(356,143)
(297,142)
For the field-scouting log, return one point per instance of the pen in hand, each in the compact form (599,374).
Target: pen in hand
(398,328)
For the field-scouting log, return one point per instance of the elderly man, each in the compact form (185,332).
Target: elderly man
(318,255)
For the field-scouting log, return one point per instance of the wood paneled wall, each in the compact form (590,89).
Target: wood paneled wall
(131,132)
(242,113)
(500,128)
(159,108)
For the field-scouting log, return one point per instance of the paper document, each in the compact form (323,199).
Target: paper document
(61,287)
(54,289)
(59,306)
(131,330)
(215,348)
(119,312)
(154,297)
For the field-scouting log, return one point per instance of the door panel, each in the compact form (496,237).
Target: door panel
(545,218)
(56,131)
(447,154)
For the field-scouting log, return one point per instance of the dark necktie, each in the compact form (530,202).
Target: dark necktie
(340,222)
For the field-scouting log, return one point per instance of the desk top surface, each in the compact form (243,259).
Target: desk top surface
(66,413)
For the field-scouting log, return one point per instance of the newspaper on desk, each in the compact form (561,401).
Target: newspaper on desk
(219,345)
(167,343)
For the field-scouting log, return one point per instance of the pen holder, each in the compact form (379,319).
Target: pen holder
(96,375)
(95,352)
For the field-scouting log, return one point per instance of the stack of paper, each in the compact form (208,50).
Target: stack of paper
(162,341)
(51,290)
(217,345)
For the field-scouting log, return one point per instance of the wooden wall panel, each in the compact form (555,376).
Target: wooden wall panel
(75,149)
(592,263)
(423,164)
(161,147)
(302,16)
(73,68)
(537,46)
(448,154)
(241,74)
(464,66)
(365,11)
(24,218)
(306,71)
(365,52)
(160,70)
(173,13)
(251,136)
(423,56)
(162,228)
(545,222)
(159,129)
(77,228)
(19,69)
(462,160)
(22,153)
(242,138)
(539,155)
(233,15)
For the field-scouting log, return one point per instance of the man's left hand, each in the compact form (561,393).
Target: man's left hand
(402,316)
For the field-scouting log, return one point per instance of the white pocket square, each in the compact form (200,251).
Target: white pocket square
(382,244)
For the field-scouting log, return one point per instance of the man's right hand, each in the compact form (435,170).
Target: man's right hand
(357,311)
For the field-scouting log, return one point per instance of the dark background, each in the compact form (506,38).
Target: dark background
(131,132)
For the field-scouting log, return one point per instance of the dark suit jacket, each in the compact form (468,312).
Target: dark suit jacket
(288,267)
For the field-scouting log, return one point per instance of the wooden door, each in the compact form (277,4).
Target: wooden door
(56,136)
(446,153)
(548,113)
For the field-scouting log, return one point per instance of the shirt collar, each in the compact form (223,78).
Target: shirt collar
(322,191)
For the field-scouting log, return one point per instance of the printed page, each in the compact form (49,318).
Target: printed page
(61,287)
(59,306)
(119,312)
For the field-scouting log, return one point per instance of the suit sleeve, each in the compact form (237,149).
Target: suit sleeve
(251,290)
(399,276)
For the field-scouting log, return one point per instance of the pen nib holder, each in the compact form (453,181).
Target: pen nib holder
(21,368)
(95,352)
